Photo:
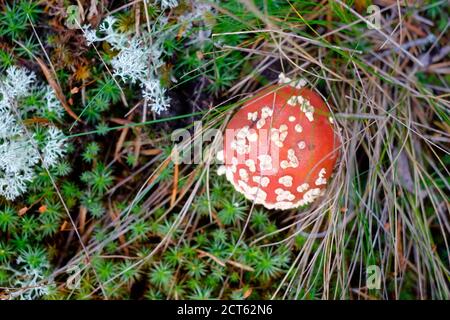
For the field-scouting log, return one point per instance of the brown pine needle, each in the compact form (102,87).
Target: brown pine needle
(175,178)
(82,219)
(58,91)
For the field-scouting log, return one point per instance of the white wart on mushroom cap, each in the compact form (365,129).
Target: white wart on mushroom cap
(280,148)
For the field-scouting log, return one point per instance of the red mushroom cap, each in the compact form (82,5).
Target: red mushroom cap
(280,148)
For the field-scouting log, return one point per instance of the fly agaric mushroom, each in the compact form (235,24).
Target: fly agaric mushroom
(280,148)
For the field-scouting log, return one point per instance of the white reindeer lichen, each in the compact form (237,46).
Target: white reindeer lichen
(30,276)
(130,63)
(154,94)
(135,62)
(168,4)
(20,151)
(52,104)
(139,57)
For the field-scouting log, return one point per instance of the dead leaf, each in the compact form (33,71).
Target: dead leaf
(93,12)
(137,146)
(35,120)
(247,293)
(82,219)
(74,90)
(175,184)
(23,211)
(151,152)
(120,143)
(63,226)
(361,5)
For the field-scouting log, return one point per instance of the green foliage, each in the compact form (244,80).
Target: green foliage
(6,59)
(232,212)
(91,152)
(16,19)
(13,22)
(107,90)
(8,219)
(98,179)
(161,276)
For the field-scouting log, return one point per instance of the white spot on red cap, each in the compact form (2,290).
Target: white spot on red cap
(252,116)
(221,170)
(283,79)
(292,101)
(261,122)
(301,83)
(330,118)
(321,180)
(243,174)
(311,195)
(303,187)
(266,112)
(306,107)
(250,163)
(283,195)
(265,162)
(284,205)
(264,181)
(220,156)
(291,162)
(243,132)
(286,181)
(252,193)
(252,137)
